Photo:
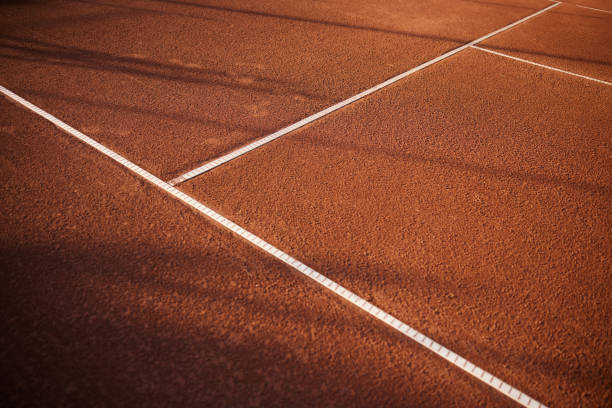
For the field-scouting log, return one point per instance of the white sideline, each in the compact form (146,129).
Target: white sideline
(267,139)
(541,65)
(386,318)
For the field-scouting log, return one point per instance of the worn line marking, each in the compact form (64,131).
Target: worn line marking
(361,303)
(541,65)
(267,139)
(585,7)
(592,8)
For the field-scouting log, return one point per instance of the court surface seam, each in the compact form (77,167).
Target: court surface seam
(322,280)
(541,65)
(269,138)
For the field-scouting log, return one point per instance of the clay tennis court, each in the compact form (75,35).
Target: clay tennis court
(306,203)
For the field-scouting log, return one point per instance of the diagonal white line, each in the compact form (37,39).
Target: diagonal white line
(361,303)
(267,139)
(593,8)
(541,65)
(581,6)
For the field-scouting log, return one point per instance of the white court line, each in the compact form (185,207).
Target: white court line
(592,8)
(386,318)
(541,65)
(267,139)
(584,7)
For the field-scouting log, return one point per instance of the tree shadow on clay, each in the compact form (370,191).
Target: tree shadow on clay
(572,375)
(179,117)
(458,41)
(501,5)
(140,10)
(487,307)
(490,171)
(125,12)
(123,325)
(304,20)
(50,53)
(249,133)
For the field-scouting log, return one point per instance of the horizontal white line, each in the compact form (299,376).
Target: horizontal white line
(267,139)
(361,303)
(541,65)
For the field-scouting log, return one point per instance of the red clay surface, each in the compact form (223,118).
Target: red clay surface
(566,37)
(112,294)
(171,84)
(471,200)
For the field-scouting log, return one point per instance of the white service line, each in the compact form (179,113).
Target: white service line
(386,318)
(267,139)
(541,65)
(581,6)
(593,8)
